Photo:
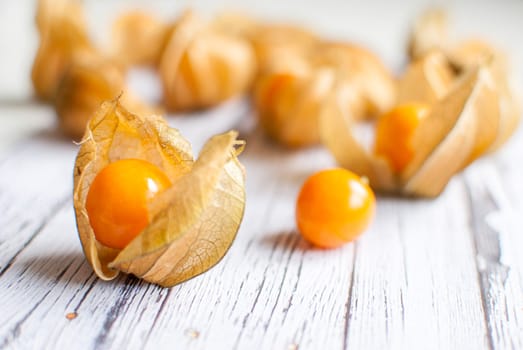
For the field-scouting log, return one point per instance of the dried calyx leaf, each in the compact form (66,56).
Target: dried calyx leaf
(291,94)
(202,66)
(372,81)
(473,52)
(63,40)
(466,55)
(84,87)
(288,104)
(273,42)
(237,24)
(509,109)
(138,38)
(460,127)
(336,128)
(48,10)
(430,33)
(426,80)
(194,222)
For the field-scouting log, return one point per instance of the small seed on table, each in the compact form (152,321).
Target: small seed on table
(192,333)
(71,315)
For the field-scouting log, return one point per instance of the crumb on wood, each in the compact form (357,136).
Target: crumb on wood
(71,315)
(192,333)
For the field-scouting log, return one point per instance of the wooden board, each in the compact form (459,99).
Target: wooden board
(434,274)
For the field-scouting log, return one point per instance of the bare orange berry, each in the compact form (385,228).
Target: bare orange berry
(394,133)
(334,207)
(117,200)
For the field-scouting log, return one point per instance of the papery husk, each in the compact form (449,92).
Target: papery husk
(459,128)
(473,52)
(138,38)
(288,105)
(372,81)
(63,40)
(271,42)
(510,111)
(193,222)
(426,80)
(429,33)
(197,228)
(84,87)
(201,66)
(237,24)
(466,55)
(336,127)
(47,11)
(113,134)
(290,95)
(276,45)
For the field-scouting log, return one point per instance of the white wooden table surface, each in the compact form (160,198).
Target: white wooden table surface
(429,274)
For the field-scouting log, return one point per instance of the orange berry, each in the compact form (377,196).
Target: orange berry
(334,207)
(271,87)
(394,133)
(117,200)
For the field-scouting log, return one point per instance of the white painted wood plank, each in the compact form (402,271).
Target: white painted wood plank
(37,280)
(32,188)
(496,199)
(415,283)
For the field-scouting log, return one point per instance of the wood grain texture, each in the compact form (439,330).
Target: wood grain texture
(495,200)
(415,281)
(32,189)
(427,275)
